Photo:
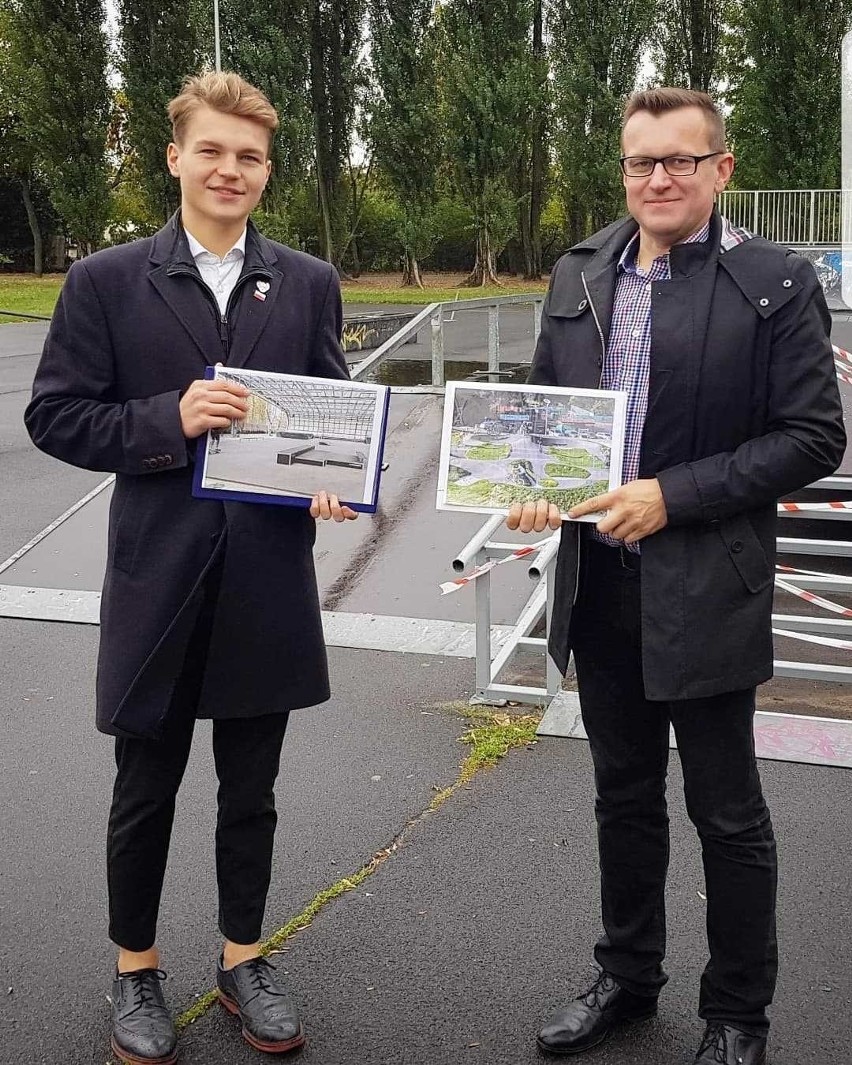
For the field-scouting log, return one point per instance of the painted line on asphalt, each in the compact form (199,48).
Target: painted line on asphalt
(366,632)
(37,539)
(799,738)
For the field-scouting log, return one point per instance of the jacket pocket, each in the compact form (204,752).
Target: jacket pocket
(124,531)
(746,552)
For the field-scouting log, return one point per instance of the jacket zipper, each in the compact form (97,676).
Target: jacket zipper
(600,382)
(222,319)
(597,323)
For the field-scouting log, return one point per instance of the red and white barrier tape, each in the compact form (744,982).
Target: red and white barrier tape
(811,597)
(839,577)
(803,508)
(486,567)
(843,364)
(825,641)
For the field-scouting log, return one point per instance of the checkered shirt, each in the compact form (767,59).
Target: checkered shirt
(627,364)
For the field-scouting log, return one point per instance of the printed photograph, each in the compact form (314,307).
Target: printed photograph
(504,444)
(301,435)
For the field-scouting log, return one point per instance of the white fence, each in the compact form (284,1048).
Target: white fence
(787,216)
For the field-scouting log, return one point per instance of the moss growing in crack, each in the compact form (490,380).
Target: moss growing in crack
(493,735)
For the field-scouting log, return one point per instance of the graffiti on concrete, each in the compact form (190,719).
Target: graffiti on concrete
(803,739)
(356,336)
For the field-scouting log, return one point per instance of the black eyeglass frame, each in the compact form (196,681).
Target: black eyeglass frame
(696,159)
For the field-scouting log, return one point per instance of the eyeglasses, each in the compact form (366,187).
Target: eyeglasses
(674,165)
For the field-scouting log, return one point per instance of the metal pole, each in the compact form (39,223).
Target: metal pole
(483,628)
(754,212)
(813,206)
(493,343)
(537,309)
(438,346)
(217,47)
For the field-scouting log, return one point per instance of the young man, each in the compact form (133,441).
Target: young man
(721,341)
(209,609)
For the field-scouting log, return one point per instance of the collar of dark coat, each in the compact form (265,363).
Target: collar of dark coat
(758,267)
(171,247)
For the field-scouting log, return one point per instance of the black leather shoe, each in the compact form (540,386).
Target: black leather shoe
(590,1018)
(142,1029)
(256,994)
(724,1045)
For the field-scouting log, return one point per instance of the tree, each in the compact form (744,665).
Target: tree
(405,127)
(687,43)
(785,92)
(159,46)
(17,149)
(65,112)
(595,49)
(269,46)
(335,44)
(488,81)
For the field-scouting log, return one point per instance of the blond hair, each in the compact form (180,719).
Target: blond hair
(225,92)
(665,98)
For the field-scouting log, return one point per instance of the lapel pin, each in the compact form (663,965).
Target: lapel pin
(263,286)
(259,295)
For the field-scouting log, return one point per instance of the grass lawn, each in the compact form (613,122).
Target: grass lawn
(571,454)
(489,451)
(556,469)
(30,295)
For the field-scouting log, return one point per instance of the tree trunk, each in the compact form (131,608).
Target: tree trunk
(411,270)
(35,228)
(483,272)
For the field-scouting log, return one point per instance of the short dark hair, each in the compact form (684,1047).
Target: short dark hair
(665,98)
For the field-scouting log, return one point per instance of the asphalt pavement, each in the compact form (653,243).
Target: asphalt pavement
(476,926)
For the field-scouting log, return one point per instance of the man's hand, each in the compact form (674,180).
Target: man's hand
(211,405)
(635,510)
(326,506)
(531,517)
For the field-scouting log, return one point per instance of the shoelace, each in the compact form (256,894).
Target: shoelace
(260,981)
(141,987)
(603,985)
(716,1039)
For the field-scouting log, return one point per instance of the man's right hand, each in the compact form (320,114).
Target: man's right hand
(211,405)
(533,517)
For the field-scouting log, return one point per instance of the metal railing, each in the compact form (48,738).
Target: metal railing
(787,216)
(436,315)
(481,548)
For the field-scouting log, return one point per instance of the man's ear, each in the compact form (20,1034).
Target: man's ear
(724,170)
(173,159)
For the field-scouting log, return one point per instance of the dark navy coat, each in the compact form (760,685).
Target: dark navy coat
(743,408)
(134,326)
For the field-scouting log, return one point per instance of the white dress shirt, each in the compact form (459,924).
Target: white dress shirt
(220,275)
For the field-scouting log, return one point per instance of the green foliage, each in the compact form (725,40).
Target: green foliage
(160,44)
(489,452)
(268,44)
(489,79)
(578,453)
(60,51)
(556,469)
(785,92)
(548,482)
(595,48)
(502,496)
(405,126)
(687,44)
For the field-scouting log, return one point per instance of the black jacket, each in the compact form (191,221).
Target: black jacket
(743,408)
(134,326)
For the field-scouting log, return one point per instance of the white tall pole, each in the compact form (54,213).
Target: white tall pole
(216,35)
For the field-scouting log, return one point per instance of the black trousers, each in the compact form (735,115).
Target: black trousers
(629,737)
(247,752)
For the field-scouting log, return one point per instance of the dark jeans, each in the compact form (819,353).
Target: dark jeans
(629,737)
(247,753)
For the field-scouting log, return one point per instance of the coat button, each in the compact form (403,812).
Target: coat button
(764,302)
(582,305)
(736,546)
(169,459)
(787,283)
(148,463)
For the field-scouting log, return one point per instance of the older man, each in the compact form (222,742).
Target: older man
(721,341)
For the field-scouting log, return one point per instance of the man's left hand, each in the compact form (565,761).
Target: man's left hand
(635,510)
(326,506)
